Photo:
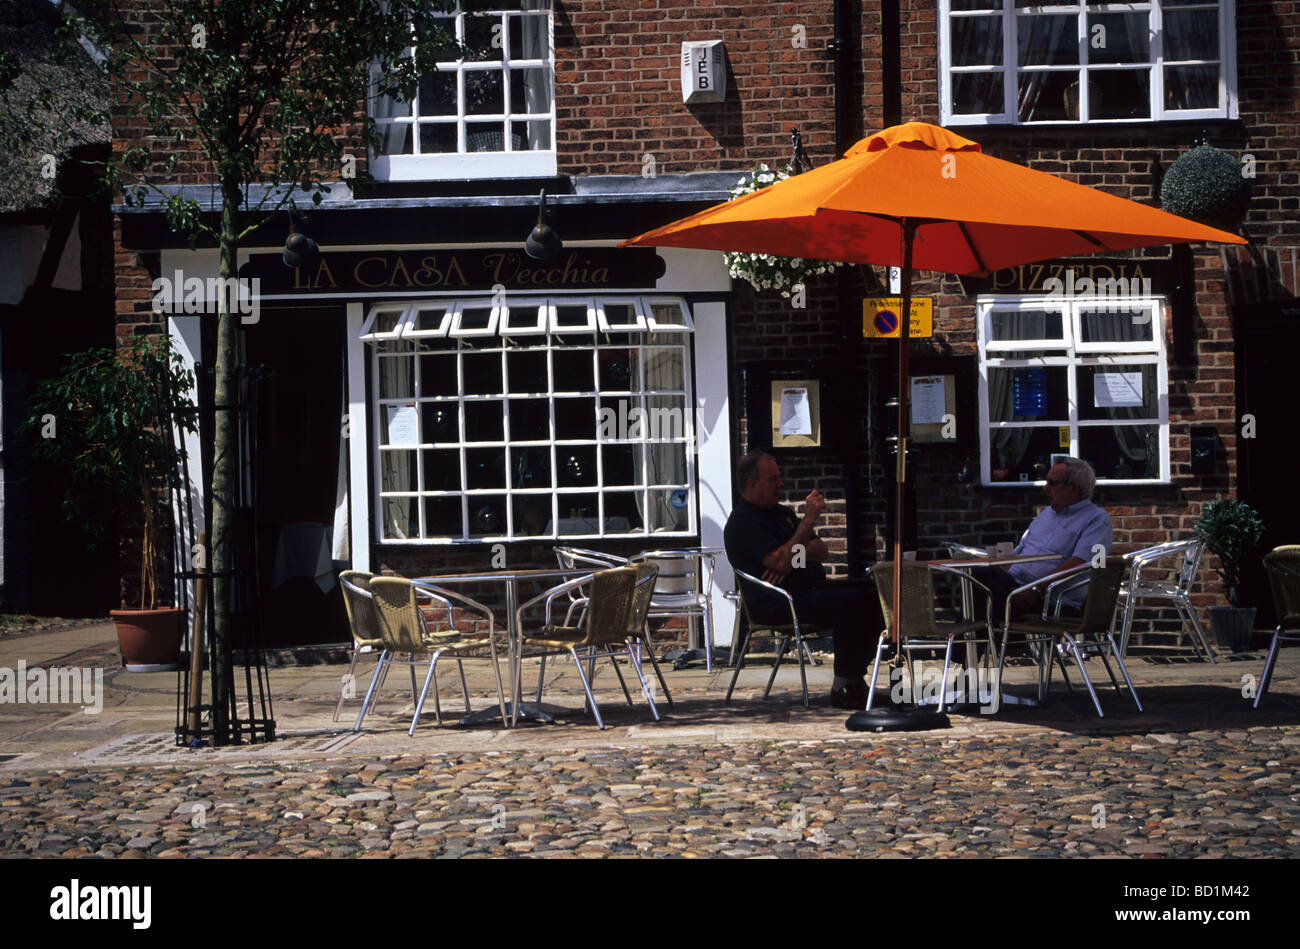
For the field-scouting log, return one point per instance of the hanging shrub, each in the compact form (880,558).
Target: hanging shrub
(1206,185)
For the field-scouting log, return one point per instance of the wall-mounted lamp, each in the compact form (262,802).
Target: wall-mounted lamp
(542,243)
(299,249)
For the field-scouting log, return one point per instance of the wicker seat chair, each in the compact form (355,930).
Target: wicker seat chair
(1089,634)
(919,627)
(1283,566)
(359,603)
(612,597)
(404,630)
(793,631)
(579,558)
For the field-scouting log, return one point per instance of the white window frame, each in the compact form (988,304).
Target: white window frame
(603,336)
(464,163)
(1007,354)
(1009,68)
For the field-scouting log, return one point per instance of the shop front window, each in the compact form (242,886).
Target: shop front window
(1072,378)
(533,418)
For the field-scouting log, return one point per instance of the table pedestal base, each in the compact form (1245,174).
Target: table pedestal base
(897,718)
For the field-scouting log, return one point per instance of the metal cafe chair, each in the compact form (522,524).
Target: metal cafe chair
(638,627)
(1092,633)
(578,558)
(794,631)
(359,603)
(919,627)
(1283,566)
(1149,579)
(405,631)
(612,601)
(685,588)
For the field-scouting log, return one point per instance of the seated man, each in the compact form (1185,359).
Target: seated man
(761,536)
(1069,527)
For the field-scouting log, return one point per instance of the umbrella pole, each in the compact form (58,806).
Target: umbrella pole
(900,462)
(909,716)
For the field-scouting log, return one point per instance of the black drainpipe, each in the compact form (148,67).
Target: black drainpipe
(842,48)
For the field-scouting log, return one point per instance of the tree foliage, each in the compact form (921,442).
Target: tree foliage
(107,420)
(261,91)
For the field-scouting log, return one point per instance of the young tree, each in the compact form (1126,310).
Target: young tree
(266,93)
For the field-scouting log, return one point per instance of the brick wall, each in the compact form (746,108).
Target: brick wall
(618,92)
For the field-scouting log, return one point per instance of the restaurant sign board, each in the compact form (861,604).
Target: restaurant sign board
(379,270)
(1038,278)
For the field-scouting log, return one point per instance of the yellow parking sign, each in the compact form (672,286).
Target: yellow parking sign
(880,317)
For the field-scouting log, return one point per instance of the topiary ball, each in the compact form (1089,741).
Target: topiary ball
(1206,185)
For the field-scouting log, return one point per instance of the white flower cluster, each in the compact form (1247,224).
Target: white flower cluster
(765,271)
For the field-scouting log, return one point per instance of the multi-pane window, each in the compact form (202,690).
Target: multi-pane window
(537,417)
(1077,378)
(491,112)
(1023,61)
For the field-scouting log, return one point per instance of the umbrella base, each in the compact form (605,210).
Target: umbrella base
(898,718)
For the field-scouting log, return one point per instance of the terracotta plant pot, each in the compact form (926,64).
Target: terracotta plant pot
(150,639)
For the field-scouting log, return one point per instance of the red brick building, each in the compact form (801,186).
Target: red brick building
(476,382)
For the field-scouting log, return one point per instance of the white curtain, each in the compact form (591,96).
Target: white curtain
(667,460)
(395,380)
(537,86)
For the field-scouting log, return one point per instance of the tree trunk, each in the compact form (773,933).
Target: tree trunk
(225,475)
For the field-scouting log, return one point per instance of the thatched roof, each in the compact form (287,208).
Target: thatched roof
(51,102)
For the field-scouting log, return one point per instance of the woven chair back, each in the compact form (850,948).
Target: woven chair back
(1103,594)
(360,607)
(609,606)
(400,624)
(1283,566)
(915,590)
(647,575)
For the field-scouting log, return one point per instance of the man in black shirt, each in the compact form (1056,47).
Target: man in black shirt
(767,540)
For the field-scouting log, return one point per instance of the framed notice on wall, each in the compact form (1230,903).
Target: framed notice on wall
(796,408)
(791,406)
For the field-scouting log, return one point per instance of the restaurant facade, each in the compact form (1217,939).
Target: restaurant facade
(428,396)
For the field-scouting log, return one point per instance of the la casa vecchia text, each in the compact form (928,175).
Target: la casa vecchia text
(432,270)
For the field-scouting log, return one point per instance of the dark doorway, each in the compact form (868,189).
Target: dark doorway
(297,429)
(1267,337)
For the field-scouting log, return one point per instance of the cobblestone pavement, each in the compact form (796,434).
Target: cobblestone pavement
(1201,793)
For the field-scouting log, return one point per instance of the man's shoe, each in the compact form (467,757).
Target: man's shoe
(851,695)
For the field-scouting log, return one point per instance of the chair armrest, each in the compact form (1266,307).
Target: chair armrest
(549,596)
(741,575)
(967,580)
(449,598)
(1050,580)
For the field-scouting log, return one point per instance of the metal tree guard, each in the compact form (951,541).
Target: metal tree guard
(194,718)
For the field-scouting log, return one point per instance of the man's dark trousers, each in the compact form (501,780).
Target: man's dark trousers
(853,616)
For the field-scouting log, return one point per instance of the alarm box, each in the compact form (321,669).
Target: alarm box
(704,71)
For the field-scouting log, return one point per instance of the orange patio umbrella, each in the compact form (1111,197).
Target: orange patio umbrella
(919,196)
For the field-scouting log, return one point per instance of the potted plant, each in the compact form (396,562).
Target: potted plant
(1231,530)
(109,419)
